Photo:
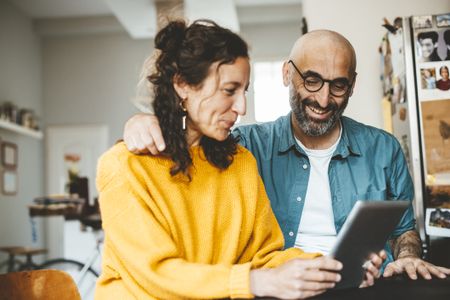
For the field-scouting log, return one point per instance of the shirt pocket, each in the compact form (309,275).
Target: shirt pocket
(371,196)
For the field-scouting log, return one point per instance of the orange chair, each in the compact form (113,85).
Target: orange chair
(38,285)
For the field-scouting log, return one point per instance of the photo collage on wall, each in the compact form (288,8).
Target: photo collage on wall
(432,34)
(432,39)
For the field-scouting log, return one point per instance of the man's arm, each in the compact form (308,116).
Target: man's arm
(406,245)
(407,252)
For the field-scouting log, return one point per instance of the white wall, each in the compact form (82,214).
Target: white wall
(90,79)
(20,83)
(360,22)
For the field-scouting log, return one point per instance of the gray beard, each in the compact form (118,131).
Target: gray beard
(309,126)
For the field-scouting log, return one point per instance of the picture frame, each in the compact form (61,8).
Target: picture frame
(437,221)
(9,155)
(428,78)
(443,20)
(9,182)
(422,22)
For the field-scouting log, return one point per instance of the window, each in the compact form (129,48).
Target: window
(271,96)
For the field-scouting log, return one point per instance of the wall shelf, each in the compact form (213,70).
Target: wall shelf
(21,130)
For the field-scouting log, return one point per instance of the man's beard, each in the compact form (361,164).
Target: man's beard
(310,126)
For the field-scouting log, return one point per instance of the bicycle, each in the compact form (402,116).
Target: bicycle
(83,273)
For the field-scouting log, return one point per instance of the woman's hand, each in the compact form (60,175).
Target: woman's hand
(296,279)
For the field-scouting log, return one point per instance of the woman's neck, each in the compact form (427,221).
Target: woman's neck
(193,136)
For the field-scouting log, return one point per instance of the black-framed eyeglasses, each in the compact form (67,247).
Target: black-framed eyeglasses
(313,82)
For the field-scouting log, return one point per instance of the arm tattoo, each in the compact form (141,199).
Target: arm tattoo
(406,245)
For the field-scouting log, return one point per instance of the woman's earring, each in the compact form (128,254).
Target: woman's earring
(183,118)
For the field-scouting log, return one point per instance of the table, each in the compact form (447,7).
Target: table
(395,288)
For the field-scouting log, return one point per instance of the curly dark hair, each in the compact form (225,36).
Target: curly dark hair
(187,53)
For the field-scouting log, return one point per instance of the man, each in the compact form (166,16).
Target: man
(428,46)
(316,164)
(447,43)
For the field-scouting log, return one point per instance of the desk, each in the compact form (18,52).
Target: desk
(395,288)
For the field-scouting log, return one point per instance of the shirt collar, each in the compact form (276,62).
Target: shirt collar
(287,140)
(346,146)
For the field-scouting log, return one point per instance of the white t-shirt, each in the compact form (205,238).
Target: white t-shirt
(316,232)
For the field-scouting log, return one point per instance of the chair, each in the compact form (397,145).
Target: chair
(14,265)
(38,285)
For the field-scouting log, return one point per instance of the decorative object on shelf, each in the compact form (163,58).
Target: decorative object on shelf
(9,155)
(21,116)
(27,119)
(8,112)
(9,182)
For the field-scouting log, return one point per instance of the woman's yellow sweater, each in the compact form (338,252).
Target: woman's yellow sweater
(168,238)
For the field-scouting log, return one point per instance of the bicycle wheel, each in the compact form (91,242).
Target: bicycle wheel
(85,283)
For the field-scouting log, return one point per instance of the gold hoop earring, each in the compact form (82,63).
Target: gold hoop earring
(183,118)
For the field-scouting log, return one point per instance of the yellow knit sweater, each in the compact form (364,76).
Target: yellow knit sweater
(167,238)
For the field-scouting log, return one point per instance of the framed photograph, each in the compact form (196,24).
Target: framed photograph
(9,182)
(428,77)
(443,20)
(422,22)
(437,221)
(9,155)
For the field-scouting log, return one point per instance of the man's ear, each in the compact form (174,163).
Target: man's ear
(180,86)
(286,74)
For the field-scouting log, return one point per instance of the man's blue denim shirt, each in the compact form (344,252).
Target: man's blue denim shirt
(368,164)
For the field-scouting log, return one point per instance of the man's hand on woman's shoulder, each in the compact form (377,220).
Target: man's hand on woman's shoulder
(142,134)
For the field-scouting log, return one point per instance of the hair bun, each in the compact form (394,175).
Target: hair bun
(169,39)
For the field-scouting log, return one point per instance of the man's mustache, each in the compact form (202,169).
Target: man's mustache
(332,106)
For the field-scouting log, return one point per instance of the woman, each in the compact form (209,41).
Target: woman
(429,82)
(195,222)
(443,83)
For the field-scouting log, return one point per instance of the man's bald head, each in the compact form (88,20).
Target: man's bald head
(326,43)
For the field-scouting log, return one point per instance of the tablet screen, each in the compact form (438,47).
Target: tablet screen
(365,231)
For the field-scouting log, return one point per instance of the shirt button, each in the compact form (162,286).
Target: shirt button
(291,233)
(299,199)
(305,166)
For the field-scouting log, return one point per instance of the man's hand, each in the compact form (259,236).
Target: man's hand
(414,265)
(142,134)
(407,251)
(373,267)
(296,279)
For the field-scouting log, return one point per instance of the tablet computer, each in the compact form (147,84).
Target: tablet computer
(365,231)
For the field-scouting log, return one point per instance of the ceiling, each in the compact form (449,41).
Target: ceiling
(139,17)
